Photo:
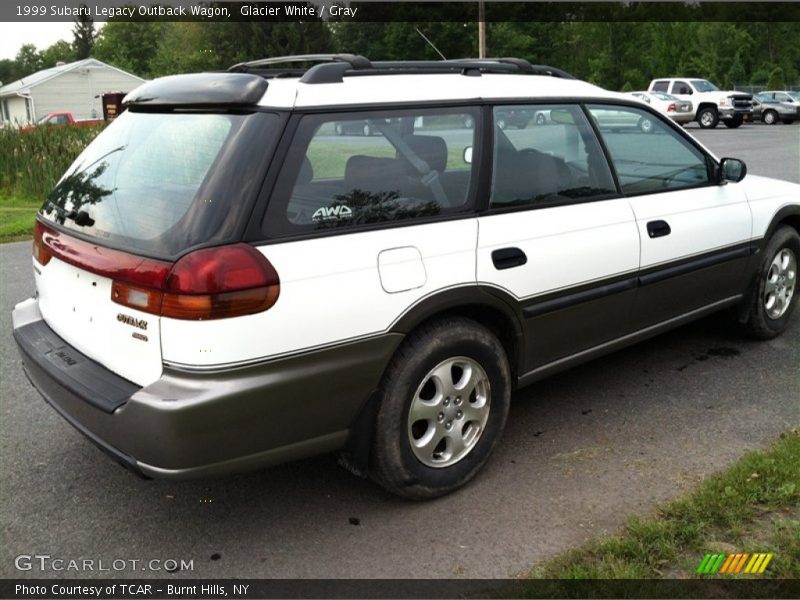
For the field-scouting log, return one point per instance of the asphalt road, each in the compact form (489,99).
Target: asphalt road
(582,451)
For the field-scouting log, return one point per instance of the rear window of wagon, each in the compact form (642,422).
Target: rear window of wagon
(159,183)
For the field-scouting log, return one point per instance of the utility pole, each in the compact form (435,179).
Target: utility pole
(481,30)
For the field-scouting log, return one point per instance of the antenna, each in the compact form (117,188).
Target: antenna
(430,43)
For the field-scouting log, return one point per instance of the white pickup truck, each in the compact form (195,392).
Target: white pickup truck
(712,104)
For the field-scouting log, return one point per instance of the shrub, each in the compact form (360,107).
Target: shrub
(33,160)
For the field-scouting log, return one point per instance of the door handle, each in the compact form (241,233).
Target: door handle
(508,258)
(658,229)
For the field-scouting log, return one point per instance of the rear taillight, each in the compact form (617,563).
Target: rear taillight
(215,283)
(40,251)
(211,283)
(671,108)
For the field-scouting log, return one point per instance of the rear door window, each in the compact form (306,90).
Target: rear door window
(349,170)
(546,154)
(661,86)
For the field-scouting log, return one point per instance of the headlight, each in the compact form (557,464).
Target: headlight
(723,102)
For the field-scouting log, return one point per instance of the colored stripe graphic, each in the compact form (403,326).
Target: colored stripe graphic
(740,564)
(733,564)
(703,563)
(731,558)
(765,563)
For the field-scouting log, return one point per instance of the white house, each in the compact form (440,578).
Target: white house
(75,87)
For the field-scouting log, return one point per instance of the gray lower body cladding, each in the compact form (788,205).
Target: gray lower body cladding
(197,424)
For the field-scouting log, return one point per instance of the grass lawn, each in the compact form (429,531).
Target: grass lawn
(753,507)
(16,217)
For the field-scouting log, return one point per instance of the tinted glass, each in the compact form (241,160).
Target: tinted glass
(545,155)
(648,154)
(660,86)
(704,86)
(160,183)
(372,168)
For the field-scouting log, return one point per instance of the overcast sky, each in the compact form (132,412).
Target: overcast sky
(41,35)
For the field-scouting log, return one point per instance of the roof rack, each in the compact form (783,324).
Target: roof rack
(331,68)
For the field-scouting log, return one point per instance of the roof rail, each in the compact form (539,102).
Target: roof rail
(332,68)
(355,61)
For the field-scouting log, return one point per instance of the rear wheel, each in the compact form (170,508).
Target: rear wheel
(788,121)
(772,297)
(707,117)
(770,117)
(445,402)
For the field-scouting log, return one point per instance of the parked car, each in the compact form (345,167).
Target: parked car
(770,110)
(711,104)
(680,111)
(221,284)
(364,128)
(62,119)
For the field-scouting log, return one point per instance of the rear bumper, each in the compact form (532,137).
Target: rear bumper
(682,118)
(197,424)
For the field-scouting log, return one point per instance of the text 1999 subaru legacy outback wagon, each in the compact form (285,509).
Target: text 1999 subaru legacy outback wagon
(224,282)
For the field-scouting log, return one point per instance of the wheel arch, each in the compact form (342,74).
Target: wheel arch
(490,307)
(707,104)
(788,215)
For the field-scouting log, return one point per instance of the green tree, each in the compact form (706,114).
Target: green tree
(83,36)
(776,81)
(9,71)
(61,51)
(29,60)
(130,45)
(736,75)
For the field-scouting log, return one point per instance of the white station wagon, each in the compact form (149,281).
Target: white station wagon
(226,278)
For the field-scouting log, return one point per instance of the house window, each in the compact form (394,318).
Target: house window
(28,110)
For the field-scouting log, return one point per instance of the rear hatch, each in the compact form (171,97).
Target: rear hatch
(151,188)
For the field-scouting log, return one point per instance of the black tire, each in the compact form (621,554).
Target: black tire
(754,316)
(733,123)
(393,462)
(769,117)
(707,117)
(788,121)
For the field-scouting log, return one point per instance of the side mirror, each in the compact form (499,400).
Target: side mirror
(732,169)
(468,155)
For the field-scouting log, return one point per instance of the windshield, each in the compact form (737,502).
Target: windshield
(701,85)
(795,95)
(157,184)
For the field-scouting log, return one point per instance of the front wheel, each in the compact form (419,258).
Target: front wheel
(734,123)
(707,118)
(645,125)
(445,400)
(770,117)
(772,296)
